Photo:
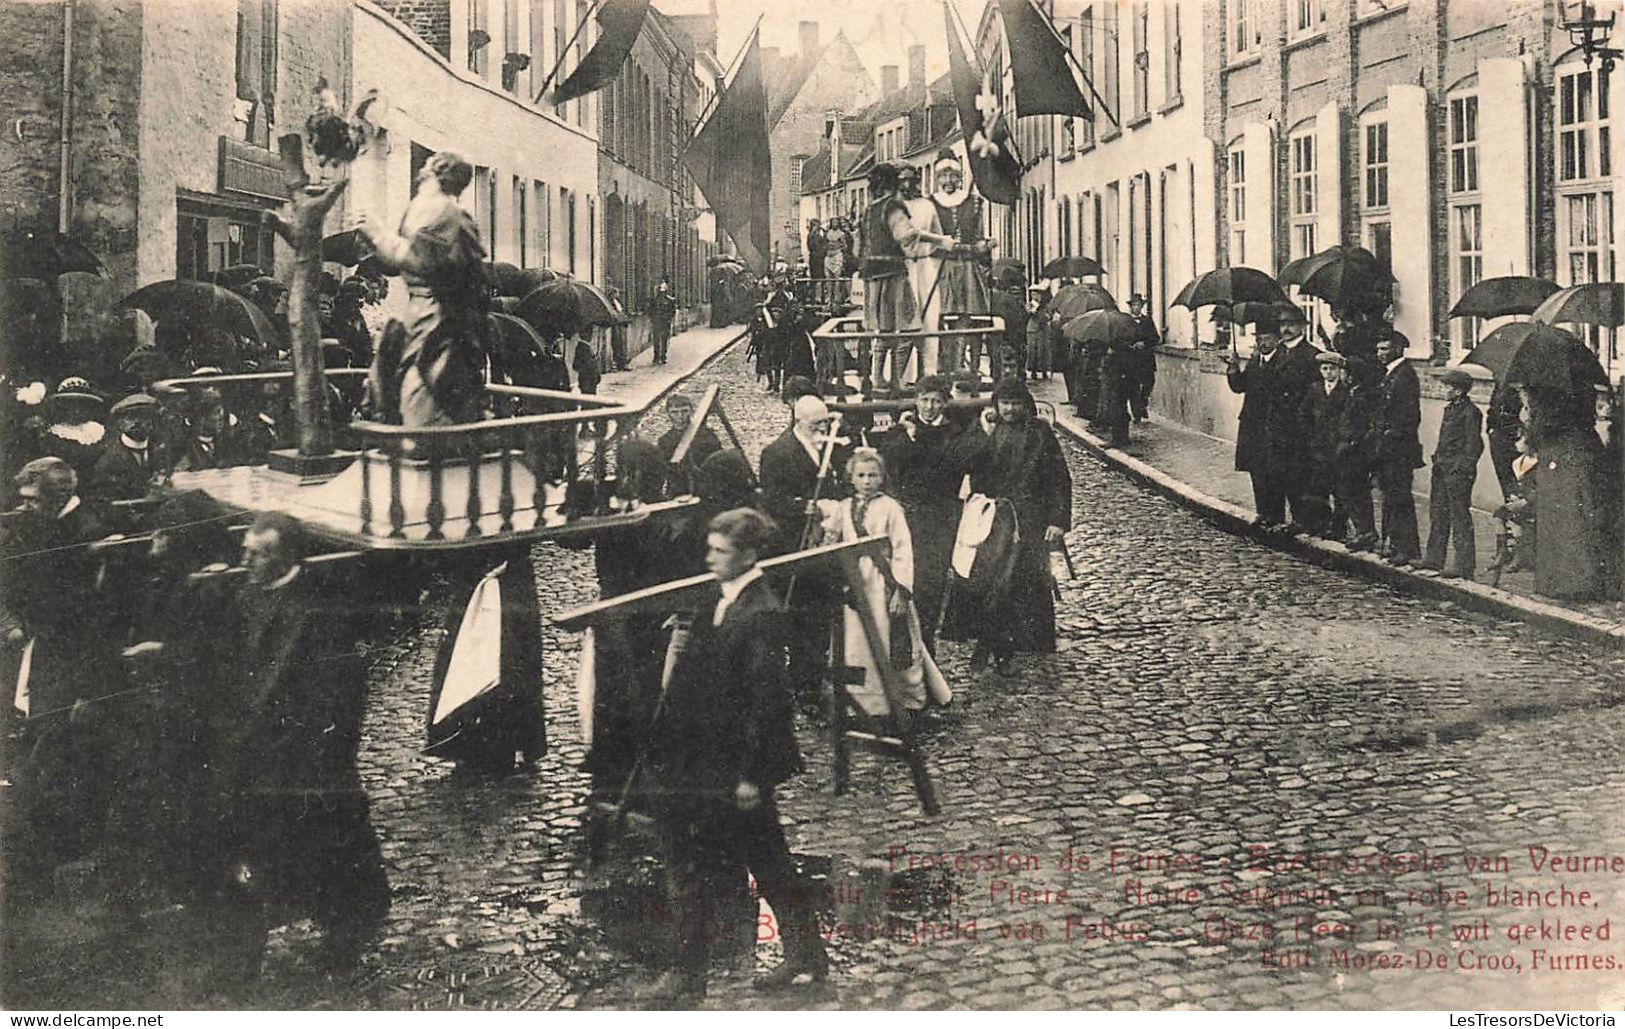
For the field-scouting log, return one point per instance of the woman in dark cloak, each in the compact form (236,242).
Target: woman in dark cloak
(1576,497)
(1013,456)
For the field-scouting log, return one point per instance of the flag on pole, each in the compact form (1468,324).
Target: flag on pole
(993,164)
(619,22)
(1042,76)
(730,161)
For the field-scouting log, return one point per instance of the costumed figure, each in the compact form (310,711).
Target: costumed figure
(963,289)
(889,588)
(924,266)
(438,251)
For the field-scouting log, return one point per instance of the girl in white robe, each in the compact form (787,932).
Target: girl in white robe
(889,587)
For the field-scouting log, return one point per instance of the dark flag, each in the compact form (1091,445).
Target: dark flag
(1043,78)
(993,165)
(730,161)
(619,22)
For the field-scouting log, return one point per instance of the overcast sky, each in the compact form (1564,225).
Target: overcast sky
(882,30)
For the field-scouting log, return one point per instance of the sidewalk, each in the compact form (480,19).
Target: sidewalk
(1198,471)
(646,382)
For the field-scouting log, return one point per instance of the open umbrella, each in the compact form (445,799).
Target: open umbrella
(1080,298)
(236,276)
(718,259)
(1250,312)
(1594,303)
(571,301)
(503,278)
(1294,271)
(1230,286)
(1004,263)
(46,256)
(1503,295)
(348,248)
(202,304)
(1346,275)
(1107,326)
(1532,354)
(1074,267)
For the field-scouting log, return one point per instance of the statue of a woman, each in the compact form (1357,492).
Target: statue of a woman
(438,252)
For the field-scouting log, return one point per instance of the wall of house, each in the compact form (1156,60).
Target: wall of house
(838,83)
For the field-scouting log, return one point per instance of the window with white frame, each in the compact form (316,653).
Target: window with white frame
(1308,18)
(1069,126)
(1173,46)
(1237,183)
(1086,59)
(1464,144)
(1585,187)
(1374,158)
(1304,208)
(1246,28)
(1466,213)
(795,175)
(1140,36)
(479,28)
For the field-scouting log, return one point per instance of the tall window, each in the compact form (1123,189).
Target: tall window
(567,212)
(1237,162)
(484,216)
(544,241)
(479,36)
(521,223)
(257,30)
(1173,46)
(1303,186)
(1112,47)
(1585,187)
(1108,235)
(795,175)
(1086,58)
(1246,32)
(1375,159)
(1142,58)
(539,63)
(583,29)
(1069,126)
(560,37)
(1466,224)
(1464,144)
(510,45)
(1308,17)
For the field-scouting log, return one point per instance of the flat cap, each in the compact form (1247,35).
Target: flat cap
(135,403)
(1332,357)
(1456,377)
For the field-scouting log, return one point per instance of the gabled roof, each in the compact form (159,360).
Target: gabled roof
(786,79)
(815,173)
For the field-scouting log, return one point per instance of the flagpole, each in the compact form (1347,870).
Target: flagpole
(1009,137)
(580,27)
(716,96)
(1070,56)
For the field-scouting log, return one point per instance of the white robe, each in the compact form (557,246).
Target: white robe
(923,270)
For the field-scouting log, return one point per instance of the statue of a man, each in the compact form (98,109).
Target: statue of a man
(438,252)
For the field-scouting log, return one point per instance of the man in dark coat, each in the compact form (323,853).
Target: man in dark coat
(1269,432)
(1455,467)
(662,308)
(1396,422)
(924,477)
(128,464)
(1142,357)
(299,824)
(680,477)
(817,249)
(1338,488)
(1013,456)
(724,738)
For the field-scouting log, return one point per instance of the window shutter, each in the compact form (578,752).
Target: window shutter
(1408,200)
(1329,176)
(1258,143)
(1503,180)
(250,54)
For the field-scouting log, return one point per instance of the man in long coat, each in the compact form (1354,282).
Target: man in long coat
(723,739)
(1396,424)
(1270,443)
(1013,456)
(925,477)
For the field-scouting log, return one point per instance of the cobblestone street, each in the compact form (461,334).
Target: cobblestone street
(1212,699)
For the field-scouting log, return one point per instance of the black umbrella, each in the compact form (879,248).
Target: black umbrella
(1080,298)
(1594,303)
(1005,264)
(237,276)
(1502,296)
(202,304)
(348,248)
(717,259)
(1293,273)
(47,255)
(504,278)
(1345,276)
(570,301)
(1230,286)
(1075,267)
(1250,312)
(1107,326)
(1531,354)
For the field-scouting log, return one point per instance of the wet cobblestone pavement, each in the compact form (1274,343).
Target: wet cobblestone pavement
(1215,709)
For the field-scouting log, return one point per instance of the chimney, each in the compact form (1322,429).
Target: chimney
(916,67)
(809,38)
(770,60)
(888,79)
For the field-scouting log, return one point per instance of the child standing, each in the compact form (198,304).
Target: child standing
(889,587)
(1455,466)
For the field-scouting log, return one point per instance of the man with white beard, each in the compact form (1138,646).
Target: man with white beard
(923,264)
(963,288)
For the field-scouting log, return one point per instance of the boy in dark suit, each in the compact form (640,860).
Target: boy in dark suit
(723,739)
(1396,421)
(1455,467)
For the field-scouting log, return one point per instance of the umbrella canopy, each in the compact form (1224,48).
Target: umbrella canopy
(1108,327)
(237,276)
(503,278)
(1080,298)
(1250,312)
(1230,286)
(1004,263)
(571,301)
(47,255)
(348,248)
(718,259)
(1502,296)
(202,304)
(1294,271)
(1595,303)
(1075,267)
(1343,276)
(1531,354)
